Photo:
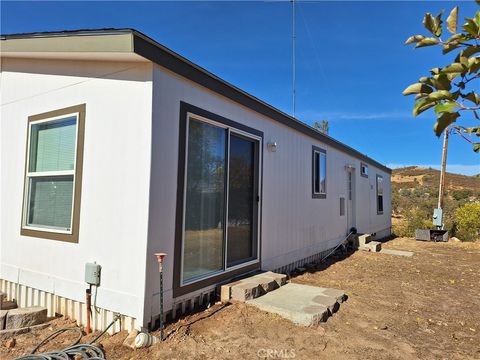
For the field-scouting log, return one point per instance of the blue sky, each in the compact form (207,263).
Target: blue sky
(351,62)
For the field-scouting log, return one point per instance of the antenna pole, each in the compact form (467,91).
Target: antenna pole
(293,55)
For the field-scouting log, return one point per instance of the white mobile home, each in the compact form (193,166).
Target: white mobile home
(114,148)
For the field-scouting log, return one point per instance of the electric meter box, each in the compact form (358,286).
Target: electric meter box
(437,217)
(92,273)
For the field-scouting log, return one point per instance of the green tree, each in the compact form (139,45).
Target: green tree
(452,90)
(467,221)
(321,126)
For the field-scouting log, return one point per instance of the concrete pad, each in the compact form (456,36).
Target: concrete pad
(24,317)
(302,304)
(396,252)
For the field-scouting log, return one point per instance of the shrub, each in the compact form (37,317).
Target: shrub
(467,222)
(461,194)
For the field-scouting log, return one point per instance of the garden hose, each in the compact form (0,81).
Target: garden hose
(87,351)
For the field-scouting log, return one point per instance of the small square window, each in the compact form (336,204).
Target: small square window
(364,170)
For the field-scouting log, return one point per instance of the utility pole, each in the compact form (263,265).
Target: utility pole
(438,212)
(293,55)
(441,189)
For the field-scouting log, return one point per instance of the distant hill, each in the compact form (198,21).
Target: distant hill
(412,176)
(415,194)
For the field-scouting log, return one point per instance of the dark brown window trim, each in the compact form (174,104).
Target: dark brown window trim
(361,173)
(314,194)
(178,289)
(376,198)
(73,237)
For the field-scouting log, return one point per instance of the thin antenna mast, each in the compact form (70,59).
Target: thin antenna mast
(293,56)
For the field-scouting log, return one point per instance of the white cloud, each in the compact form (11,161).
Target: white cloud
(452,168)
(310,115)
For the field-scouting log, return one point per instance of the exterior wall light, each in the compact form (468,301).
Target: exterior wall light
(272,146)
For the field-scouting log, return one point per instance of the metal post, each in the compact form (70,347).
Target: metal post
(160,257)
(441,189)
(293,57)
(88,304)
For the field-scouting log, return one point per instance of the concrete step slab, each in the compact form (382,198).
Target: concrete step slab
(302,304)
(375,246)
(252,287)
(8,305)
(24,317)
(364,239)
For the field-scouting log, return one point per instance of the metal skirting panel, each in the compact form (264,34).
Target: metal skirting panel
(57,305)
(299,263)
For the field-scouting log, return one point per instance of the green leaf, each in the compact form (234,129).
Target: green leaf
(452,76)
(456,37)
(429,23)
(476,18)
(444,121)
(470,27)
(476,147)
(440,95)
(452,20)
(438,24)
(446,107)
(426,42)
(449,47)
(470,50)
(417,88)
(413,39)
(440,82)
(453,68)
(422,105)
(473,65)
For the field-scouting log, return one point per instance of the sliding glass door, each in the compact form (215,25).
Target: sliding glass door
(221,200)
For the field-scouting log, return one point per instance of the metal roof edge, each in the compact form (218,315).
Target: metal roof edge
(158,53)
(145,46)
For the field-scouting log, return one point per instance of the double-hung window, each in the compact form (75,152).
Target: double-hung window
(53,174)
(379,194)
(319,172)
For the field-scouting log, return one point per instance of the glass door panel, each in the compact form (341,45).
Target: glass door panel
(242,194)
(204,230)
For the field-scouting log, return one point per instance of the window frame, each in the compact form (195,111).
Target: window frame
(46,232)
(379,212)
(318,194)
(362,166)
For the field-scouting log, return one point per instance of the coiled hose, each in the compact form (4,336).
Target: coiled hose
(75,351)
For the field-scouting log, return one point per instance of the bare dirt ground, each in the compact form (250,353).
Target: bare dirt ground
(424,307)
